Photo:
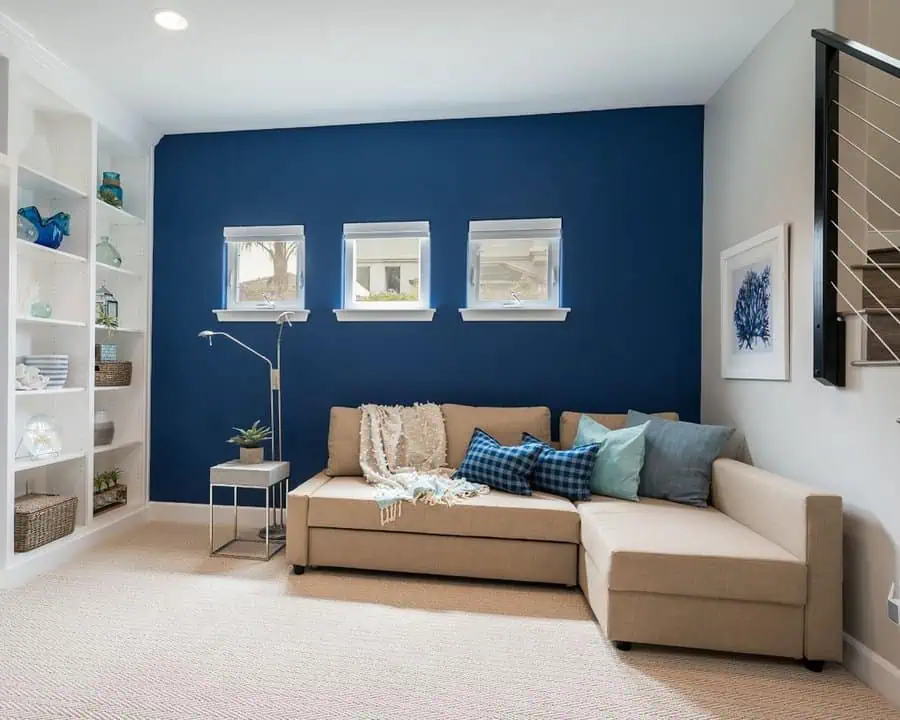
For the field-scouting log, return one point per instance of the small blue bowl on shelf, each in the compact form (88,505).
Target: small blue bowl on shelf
(50,231)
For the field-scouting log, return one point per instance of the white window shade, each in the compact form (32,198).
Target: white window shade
(264,268)
(386,269)
(514,265)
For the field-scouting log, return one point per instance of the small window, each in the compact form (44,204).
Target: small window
(264,268)
(514,264)
(386,266)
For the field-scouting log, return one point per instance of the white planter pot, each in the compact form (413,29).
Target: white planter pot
(252,456)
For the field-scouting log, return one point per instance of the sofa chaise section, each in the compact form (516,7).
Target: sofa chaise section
(758,572)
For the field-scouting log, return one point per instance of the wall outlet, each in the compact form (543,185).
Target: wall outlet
(893,607)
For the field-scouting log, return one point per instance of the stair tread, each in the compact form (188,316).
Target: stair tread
(875,363)
(870,311)
(873,266)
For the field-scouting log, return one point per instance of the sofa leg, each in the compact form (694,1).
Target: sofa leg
(815,666)
(299,569)
(622,645)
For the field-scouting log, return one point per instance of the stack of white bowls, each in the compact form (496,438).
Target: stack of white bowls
(55,367)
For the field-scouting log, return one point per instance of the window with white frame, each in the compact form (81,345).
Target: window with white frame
(264,268)
(514,264)
(386,266)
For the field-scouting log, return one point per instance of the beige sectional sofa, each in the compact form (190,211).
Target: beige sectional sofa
(759,571)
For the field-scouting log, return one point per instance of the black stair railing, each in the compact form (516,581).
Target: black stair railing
(829,339)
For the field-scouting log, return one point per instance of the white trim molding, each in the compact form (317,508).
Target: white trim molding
(389,315)
(874,670)
(514,314)
(259,315)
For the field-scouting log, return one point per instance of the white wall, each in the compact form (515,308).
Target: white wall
(758,173)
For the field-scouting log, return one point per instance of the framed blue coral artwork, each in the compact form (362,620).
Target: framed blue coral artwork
(756,308)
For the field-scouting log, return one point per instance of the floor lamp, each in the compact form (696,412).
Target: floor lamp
(276,529)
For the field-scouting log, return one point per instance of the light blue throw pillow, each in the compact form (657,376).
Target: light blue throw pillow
(617,470)
(678,458)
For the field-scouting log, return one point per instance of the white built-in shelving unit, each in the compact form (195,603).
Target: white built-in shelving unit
(52,155)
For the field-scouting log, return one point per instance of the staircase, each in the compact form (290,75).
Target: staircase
(857,214)
(881,306)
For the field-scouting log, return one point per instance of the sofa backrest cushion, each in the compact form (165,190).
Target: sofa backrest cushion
(343,442)
(506,425)
(568,424)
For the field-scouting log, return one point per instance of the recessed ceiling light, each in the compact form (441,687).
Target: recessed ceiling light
(170,20)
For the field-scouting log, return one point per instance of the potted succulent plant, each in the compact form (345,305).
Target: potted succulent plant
(251,442)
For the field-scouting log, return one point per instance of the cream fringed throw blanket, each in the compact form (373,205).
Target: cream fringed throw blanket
(403,453)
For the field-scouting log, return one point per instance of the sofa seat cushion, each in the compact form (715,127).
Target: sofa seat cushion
(349,503)
(657,546)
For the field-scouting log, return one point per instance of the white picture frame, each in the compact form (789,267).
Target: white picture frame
(755,307)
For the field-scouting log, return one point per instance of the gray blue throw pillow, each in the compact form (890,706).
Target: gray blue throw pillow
(617,470)
(562,472)
(678,458)
(502,467)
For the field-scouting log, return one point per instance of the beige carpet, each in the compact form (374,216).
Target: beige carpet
(150,627)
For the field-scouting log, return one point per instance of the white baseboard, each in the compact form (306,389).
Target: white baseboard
(55,554)
(874,670)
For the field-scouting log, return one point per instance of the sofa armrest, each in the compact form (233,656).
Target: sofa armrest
(297,550)
(805,522)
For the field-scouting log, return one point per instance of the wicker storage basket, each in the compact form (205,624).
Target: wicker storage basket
(41,519)
(112,374)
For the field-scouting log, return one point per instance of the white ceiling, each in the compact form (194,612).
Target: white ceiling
(283,63)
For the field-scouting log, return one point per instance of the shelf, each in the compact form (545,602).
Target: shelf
(117,388)
(49,321)
(50,391)
(39,182)
(115,216)
(49,253)
(120,445)
(45,462)
(130,331)
(117,270)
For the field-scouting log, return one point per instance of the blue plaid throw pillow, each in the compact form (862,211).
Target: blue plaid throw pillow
(563,472)
(502,467)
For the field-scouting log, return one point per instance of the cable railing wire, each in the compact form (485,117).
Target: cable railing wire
(864,252)
(866,154)
(867,122)
(868,89)
(862,317)
(866,221)
(866,188)
(865,287)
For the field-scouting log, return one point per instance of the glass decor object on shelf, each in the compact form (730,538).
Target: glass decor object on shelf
(105,352)
(25,229)
(41,310)
(50,231)
(40,439)
(110,191)
(107,253)
(107,308)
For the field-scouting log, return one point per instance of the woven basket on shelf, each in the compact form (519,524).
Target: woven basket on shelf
(112,374)
(41,519)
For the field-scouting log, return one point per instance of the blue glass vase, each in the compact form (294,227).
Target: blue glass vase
(110,191)
(50,231)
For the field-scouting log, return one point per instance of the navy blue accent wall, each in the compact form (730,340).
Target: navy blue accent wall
(628,185)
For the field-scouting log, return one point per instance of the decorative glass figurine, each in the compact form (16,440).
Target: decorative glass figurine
(40,439)
(50,231)
(110,191)
(25,229)
(107,253)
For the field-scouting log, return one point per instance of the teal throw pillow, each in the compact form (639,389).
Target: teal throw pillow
(617,470)
(678,458)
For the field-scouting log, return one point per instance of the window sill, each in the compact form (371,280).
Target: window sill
(398,315)
(514,314)
(259,315)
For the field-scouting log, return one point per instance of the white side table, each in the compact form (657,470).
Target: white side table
(271,477)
